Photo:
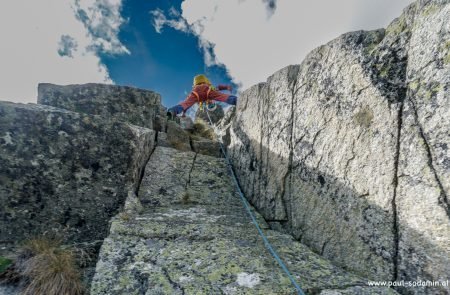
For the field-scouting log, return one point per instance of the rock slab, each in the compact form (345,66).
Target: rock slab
(65,172)
(136,106)
(193,236)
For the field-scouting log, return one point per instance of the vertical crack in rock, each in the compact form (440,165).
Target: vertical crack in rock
(395,225)
(443,198)
(287,180)
(190,171)
(262,112)
(268,132)
(323,247)
(141,176)
(191,144)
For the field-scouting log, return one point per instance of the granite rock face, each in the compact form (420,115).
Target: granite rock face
(192,140)
(349,150)
(423,192)
(206,146)
(136,106)
(193,236)
(65,172)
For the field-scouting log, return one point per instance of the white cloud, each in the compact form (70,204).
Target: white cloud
(102,19)
(160,20)
(48,41)
(255,38)
(67,46)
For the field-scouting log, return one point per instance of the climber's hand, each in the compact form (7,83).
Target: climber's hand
(231,100)
(230,88)
(173,111)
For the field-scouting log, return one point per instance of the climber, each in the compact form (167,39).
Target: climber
(203,92)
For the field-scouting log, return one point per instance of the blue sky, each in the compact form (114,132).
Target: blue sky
(165,62)
(161,44)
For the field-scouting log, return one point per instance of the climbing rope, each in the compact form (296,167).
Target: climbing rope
(255,222)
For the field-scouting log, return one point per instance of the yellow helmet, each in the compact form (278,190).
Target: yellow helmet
(199,79)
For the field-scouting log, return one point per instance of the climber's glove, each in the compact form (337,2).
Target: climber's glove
(230,88)
(173,111)
(231,100)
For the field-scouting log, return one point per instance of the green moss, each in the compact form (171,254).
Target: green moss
(374,38)
(414,85)
(371,47)
(446,52)
(364,117)
(432,90)
(124,281)
(4,263)
(384,72)
(397,26)
(383,69)
(430,9)
(447,59)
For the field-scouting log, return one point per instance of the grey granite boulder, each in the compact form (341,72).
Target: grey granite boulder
(136,106)
(349,150)
(65,172)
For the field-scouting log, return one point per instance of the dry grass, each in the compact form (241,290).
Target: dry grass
(44,267)
(202,129)
(176,144)
(125,216)
(185,198)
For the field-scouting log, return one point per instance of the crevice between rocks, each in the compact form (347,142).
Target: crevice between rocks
(190,171)
(142,174)
(287,177)
(443,198)
(395,224)
(191,144)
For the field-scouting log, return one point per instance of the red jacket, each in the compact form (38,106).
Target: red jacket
(205,93)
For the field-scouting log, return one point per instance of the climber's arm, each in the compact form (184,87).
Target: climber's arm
(219,96)
(183,106)
(224,87)
(188,102)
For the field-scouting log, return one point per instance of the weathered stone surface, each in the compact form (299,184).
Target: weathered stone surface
(136,106)
(206,147)
(215,115)
(194,237)
(9,290)
(423,191)
(349,150)
(65,172)
(177,137)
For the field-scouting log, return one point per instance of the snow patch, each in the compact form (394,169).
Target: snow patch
(248,280)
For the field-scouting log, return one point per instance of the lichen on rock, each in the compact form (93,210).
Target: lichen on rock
(348,151)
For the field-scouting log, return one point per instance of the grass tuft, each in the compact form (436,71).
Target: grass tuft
(202,129)
(44,267)
(185,198)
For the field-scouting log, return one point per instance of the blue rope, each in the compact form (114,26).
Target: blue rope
(255,222)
